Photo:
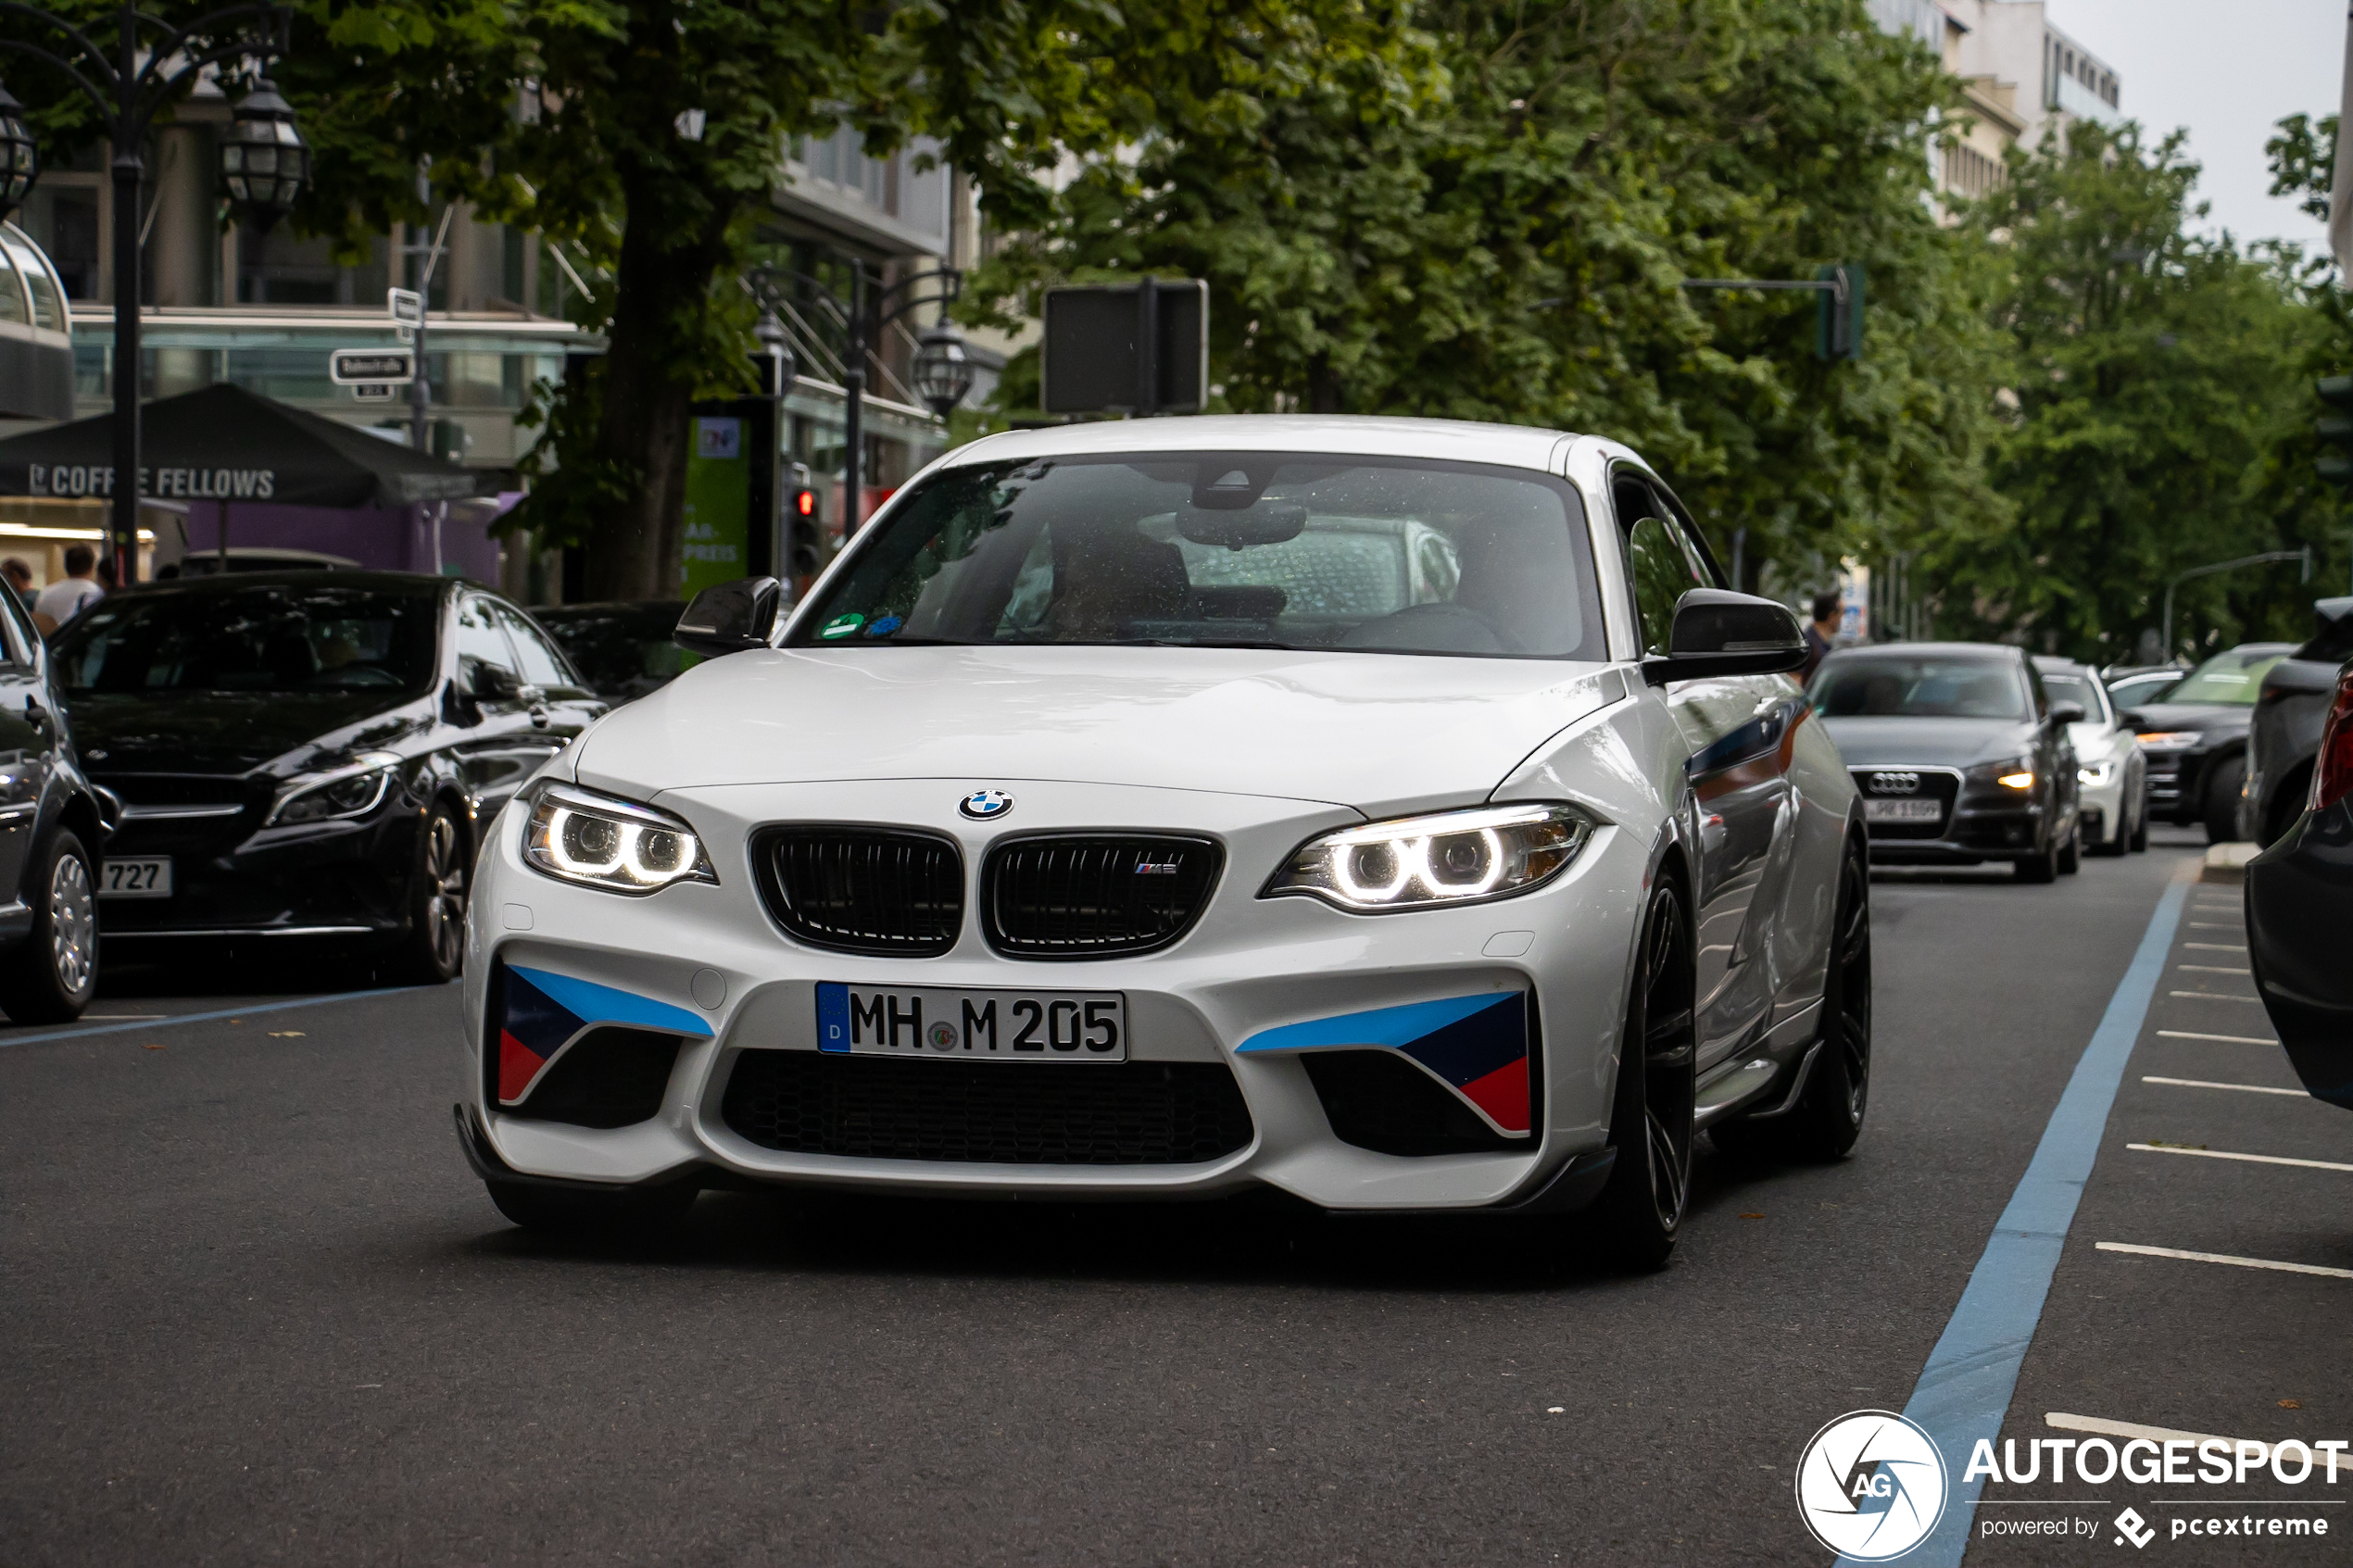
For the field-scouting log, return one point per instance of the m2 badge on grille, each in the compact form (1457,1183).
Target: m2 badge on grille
(972,1025)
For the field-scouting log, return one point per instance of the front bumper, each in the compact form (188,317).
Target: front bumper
(710,960)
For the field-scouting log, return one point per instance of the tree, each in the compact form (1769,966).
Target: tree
(1492,221)
(2151,369)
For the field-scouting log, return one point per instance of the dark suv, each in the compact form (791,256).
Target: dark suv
(2285,733)
(2195,739)
(53,828)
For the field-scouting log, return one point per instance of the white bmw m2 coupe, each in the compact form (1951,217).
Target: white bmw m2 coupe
(1398,814)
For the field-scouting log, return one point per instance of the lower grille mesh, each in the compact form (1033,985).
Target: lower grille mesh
(984,1112)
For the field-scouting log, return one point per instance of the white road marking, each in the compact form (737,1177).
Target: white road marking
(2217,947)
(2228,1039)
(2213,997)
(2210,969)
(2204,1083)
(2223,1258)
(2250,1158)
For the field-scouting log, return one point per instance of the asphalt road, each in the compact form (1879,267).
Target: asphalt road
(255,1308)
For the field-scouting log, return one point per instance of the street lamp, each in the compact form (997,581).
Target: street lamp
(863,316)
(19,164)
(146,66)
(263,159)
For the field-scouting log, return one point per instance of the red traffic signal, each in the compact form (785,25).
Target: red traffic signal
(804,503)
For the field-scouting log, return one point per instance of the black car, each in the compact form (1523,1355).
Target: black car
(308,753)
(622,650)
(2284,734)
(2195,739)
(1959,752)
(53,827)
(2299,906)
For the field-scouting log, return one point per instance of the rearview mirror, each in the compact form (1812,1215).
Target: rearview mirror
(1719,632)
(731,617)
(2068,712)
(1269,523)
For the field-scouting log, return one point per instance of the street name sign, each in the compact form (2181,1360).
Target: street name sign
(370,366)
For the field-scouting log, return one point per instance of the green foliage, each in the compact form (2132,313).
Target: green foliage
(2154,374)
(1489,216)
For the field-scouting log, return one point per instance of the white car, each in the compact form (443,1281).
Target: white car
(1393,812)
(2113,802)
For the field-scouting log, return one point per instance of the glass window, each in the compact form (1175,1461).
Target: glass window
(542,665)
(480,641)
(623,651)
(1229,549)
(1917,686)
(2232,678)
(2077,687)
(274,637)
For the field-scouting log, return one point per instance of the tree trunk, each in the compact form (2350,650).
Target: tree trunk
(664,281)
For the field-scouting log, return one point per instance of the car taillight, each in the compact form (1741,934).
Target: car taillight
(2333,770)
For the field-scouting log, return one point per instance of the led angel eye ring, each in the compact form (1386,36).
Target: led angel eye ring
(1343,872)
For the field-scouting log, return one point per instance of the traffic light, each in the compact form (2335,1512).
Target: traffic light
(2335,431)
(805,531)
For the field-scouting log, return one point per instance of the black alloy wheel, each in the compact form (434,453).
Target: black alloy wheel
(2041,866)
(1827,1117)
(51,975)
(2222,786)
(2070,855)
(435,946)
(1641,1208)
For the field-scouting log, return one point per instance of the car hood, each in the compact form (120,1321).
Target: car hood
(231,733)
(1380,732)
(2210,719)
(1955,743)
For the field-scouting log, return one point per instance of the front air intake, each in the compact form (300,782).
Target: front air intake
(862,890)
(1095,895)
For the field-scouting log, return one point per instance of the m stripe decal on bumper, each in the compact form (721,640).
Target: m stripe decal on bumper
(1476,1046)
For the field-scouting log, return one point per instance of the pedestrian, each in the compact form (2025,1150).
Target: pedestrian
(1817,635)
(65,598)
(19,578)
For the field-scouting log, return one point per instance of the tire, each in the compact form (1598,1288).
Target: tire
(2038,867)
(434,947)
(1641,1209)
(2070,855)
(51,975)
(2114,845)
(2141,826)
(1822,1127)
(2222,786)
(632,1214)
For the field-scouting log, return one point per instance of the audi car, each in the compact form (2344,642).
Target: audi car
(307,756)
(1960,752)
(1401,815)
(2111,776)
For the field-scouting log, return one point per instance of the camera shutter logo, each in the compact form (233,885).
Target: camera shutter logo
(1871,1485)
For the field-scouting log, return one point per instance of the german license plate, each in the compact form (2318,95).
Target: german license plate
(136,879)
(1903,811)
(972,1025)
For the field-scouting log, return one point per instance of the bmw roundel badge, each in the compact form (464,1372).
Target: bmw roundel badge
(986,805)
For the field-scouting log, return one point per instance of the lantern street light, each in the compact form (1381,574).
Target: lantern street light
(943,373)
(19,164)
(128,78)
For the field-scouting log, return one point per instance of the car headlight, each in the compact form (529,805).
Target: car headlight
(2011,772)
(1424,862)
(343,792)
(2099,775)
(2170,740)
(617,845)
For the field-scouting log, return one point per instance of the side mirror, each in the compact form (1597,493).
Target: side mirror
(731,617)
(2068,712)
(1719,632)
(2128,719)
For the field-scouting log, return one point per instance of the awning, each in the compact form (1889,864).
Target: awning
(225,444)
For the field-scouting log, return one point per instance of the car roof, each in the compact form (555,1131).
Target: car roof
(2054,663)
(2254,650)
(309,577)
(1942,650)
(1454,440)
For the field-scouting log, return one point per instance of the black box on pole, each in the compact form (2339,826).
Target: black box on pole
(1133,348)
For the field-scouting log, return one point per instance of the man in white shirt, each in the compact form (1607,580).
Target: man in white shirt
(64,599)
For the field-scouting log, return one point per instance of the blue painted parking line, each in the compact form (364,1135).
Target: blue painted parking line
(1963,1392)
(166,1023)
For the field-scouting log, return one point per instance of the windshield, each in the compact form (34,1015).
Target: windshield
(264,638)
(1228,549)
(1917,686)
(2234,678)
(2133,690)
(2077,687)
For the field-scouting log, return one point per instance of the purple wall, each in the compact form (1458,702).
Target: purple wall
(393,540)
